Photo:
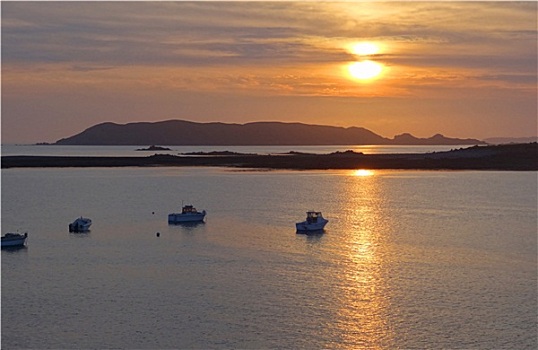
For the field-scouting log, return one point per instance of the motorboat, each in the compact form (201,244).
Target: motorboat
(14,240)
(80,225)
(188,214)
(314,222)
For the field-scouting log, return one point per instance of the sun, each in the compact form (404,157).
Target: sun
(364,70)
(364,49)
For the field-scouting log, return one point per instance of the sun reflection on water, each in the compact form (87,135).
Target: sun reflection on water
(363,172)
(362,315)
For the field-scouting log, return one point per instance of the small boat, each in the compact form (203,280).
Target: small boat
(80,225)
(314,222)
(188,214)
(14,239)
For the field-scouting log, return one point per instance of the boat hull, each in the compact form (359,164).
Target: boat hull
(79,228)
(310,227)
(190,217)
(80,225)
(14,241)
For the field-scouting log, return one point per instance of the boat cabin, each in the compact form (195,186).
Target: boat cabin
(189,209)
(312,216)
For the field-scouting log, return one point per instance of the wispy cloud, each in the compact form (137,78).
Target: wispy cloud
(429,49)
(206,33)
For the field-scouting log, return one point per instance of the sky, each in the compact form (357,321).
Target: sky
(462,69)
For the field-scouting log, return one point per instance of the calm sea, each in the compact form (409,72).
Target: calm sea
(409,259)
(57,150)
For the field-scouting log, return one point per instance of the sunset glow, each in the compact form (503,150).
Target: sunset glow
(364,49)
(437,68)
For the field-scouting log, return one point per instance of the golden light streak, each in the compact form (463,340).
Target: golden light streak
(363,172)
(364,303)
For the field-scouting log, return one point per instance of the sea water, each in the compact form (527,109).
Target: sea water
(409,259)
(126,151)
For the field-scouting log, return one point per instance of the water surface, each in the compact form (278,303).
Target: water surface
(61,150)
(408,260)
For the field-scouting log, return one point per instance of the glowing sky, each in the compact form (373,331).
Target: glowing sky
(463,69)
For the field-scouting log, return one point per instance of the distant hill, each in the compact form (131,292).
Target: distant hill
(181,132)
(504,140)
(438,139)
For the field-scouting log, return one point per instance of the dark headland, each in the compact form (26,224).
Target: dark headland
(500,157)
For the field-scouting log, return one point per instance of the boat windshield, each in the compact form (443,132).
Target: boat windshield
(189,209)
(312,216)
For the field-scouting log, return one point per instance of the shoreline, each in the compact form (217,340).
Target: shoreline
(519,157)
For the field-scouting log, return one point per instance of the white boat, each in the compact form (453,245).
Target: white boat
(80,225)
(188,214)
(14,240)
(314,222)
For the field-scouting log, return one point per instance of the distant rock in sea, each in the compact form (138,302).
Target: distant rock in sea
(154,148)
(217,153)
(438,139)
(186,133)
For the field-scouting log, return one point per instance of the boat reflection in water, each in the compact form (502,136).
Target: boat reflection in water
(187,224)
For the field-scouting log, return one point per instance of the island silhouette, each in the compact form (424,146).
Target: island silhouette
(187,133)
(479,156)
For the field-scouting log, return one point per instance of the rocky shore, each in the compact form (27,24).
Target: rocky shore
(501,157)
